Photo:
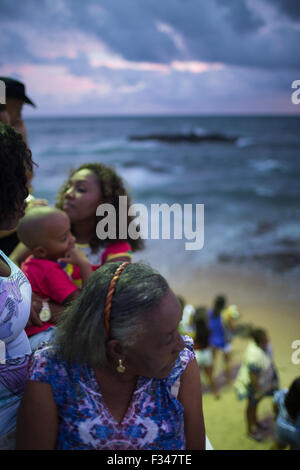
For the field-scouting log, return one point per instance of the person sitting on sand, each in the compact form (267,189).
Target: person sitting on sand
(118,375)
(46,232)
(256,378)
(202,347)
(287,411)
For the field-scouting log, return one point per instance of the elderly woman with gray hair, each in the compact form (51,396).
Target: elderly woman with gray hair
(118,374)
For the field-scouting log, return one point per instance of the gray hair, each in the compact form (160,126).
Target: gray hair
(81,336)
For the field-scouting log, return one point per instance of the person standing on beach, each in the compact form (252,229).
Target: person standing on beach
(203,350)
(256,379)
(218,337)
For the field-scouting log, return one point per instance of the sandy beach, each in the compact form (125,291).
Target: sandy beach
(264,300)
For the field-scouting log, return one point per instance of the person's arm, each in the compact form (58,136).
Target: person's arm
(190,396)
(37,423)
(77,257)
(276,401)
(35,308)
(231,324)
(19,254)
(275,410)
(56,310)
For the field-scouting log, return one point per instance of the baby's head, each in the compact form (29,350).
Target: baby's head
(46,232)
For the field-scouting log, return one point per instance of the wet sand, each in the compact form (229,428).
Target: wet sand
(264,300)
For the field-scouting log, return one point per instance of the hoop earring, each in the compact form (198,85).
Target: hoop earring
(120,367)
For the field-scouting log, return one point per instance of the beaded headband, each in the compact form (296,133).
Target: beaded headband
(110,293)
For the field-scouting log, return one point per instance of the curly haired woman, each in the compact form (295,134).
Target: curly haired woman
(89,186)
(15,290)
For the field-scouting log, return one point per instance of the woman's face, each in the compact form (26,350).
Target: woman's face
(156,350)
(82,196)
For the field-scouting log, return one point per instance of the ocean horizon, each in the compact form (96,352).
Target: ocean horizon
(33,117)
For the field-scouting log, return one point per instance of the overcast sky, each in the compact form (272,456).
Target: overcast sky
(98,57)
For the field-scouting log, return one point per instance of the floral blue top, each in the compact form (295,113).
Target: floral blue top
(154,418)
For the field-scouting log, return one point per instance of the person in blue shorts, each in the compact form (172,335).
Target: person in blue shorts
(218,337)
(203,350)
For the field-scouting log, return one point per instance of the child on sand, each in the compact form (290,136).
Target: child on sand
(256,379)
(46,232)
(287,411)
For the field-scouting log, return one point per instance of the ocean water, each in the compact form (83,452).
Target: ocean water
(249,187)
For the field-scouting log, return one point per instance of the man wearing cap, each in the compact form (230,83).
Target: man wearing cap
(11,113)
(15,99)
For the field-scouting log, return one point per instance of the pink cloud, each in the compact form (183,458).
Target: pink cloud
(56,82)
(195,66)
(115,62)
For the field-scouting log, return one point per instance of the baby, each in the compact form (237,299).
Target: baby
(46,232)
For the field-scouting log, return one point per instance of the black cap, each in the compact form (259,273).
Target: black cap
(16,89)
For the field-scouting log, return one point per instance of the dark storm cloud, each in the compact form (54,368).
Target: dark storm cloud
(141,56)
(206,30)
(291,8)
(238,14)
